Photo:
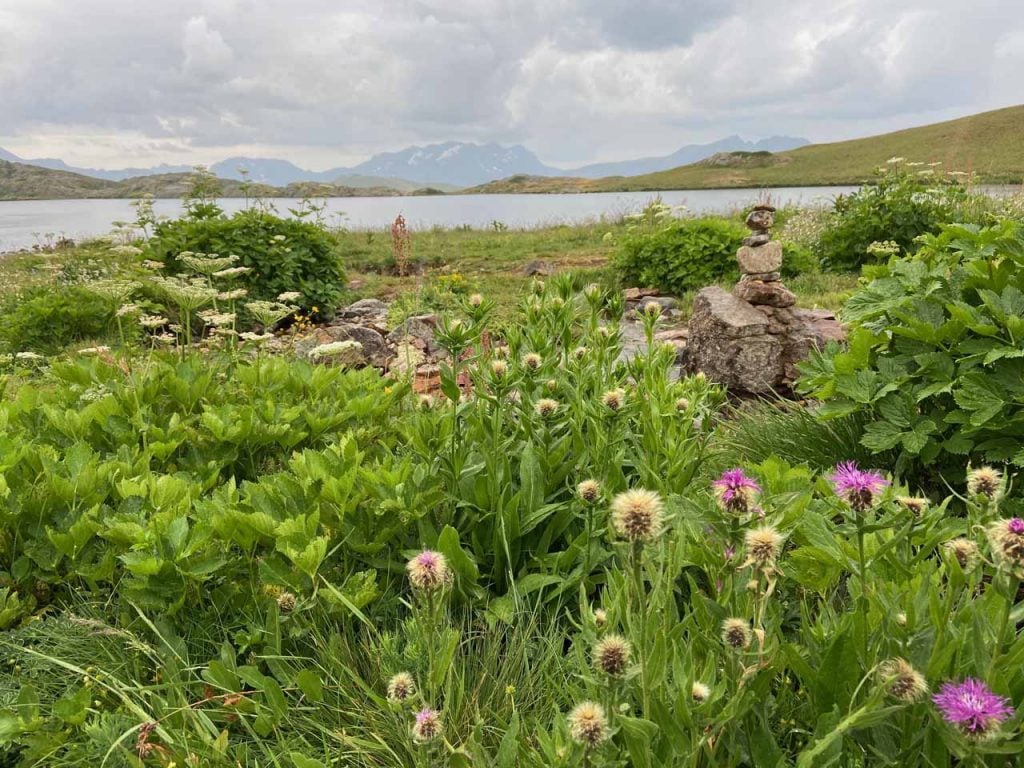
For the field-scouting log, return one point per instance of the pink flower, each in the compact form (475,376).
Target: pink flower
(735,491)
(857,487)
(972,707)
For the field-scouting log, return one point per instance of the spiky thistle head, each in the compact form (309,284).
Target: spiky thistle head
(736,493)
(763,547)
(1006,538)
(614,399)
(499,368)
(600,618)
(427,726)
(401,688)
(736,633)
(429,571)
(972,708)
(682,404)
(546,407)
(475,300)
(857,487)
(532,361)
(589,490)
(638,515)
(964,551)
(913,504)
(286,602)
(611,655)
(985,483)
(700,692)
(902,681)
(588,724)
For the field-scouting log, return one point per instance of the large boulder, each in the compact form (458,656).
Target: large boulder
(374,347)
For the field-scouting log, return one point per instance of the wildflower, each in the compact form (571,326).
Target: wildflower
(736,492)
(546,407)
(600,617)
(127,309)
(972,707)
(289,296)
(475,300)
(89,351)
(532,361)
(427,726)
(613,399)
(551,385)
(588,724)
(964,550)
(126,250)
(736,633)
(916,506)
(700,692)
(346,350)
(589,490)
(238,293)
(499,368)
(401,687)
(682,404)
(637,515)
(984,483)
(611,655)
(652,309)
(29,356)
(763,546)
(153,321)
(579,353)
(1007,540)
(256,337)
(153,264)
(426,402)
(902,681)
(232,272)
(557,302)
(219,319)
(286,602)
(901,619)
(857,487)
(429,571)
(592,290)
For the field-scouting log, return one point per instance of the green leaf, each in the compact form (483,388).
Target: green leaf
(310,685)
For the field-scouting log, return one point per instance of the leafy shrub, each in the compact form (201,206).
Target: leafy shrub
(935,354)
(899,207)
(283,254)
(682,255)
(45,319)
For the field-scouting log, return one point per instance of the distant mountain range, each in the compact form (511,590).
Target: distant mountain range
(446,166)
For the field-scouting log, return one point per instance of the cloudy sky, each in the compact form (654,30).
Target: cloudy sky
(109,83)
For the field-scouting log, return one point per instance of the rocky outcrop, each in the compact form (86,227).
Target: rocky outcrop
(752,339)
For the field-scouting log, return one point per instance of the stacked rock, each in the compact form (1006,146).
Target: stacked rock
(760,259)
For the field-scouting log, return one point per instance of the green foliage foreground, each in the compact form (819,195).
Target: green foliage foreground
(215,560)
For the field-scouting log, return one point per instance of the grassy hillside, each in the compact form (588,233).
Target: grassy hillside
(28,182)
(990,145)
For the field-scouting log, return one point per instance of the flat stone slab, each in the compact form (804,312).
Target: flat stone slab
(730,316)
(773,294)
(760,259)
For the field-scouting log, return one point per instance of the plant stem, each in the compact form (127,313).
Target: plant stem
(641,610)
(863,584)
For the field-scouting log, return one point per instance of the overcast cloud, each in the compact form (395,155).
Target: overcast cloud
(327,82)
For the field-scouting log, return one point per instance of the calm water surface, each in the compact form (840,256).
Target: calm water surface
(24,223)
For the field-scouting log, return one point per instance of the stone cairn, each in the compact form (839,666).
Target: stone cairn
(751,340)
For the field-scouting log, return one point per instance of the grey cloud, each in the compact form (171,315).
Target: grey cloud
(575,80)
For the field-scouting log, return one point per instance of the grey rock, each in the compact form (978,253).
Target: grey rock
(374,347)
(764,258)
(725,314)
(757,239)
(774,294)
(538,267)
(765,277)
(364,308)
(417,331)
(761,219)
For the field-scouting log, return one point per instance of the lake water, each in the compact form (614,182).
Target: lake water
(24,223)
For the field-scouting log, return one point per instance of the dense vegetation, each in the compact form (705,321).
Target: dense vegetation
(212,554)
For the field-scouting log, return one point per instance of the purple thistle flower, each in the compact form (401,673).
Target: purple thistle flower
(972,707)
(1015,526)
(857,487)
(735,491)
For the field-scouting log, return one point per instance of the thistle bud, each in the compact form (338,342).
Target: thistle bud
(611,655)
(401,687)
(736,633)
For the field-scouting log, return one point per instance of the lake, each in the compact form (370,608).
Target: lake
(24,223)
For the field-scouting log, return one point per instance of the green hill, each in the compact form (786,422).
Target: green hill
(28,182)
(989,145)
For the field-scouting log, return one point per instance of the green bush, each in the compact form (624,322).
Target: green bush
(284,254)
(45,319)
(935,355)
(682,255)
(899,207)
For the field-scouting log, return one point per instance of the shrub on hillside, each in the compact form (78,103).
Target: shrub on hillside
(935,356)
(45,319)
(283,254)
(899,207)
(681,255)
